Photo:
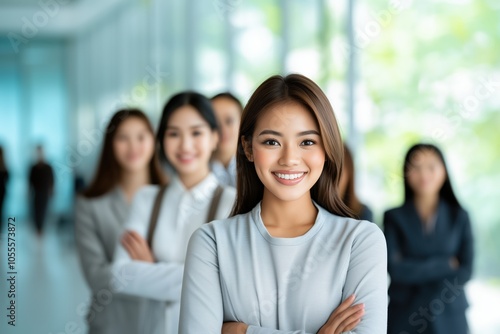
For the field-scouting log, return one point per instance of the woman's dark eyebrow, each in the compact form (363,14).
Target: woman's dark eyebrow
(278,134)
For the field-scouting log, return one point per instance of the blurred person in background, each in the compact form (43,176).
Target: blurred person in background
(228,111)
(430,250)
(4,177)
(162,219)
(41,181)
(127,163)
(347,189)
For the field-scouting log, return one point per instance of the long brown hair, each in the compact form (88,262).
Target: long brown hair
(278,90)
(349,197)
(108,171)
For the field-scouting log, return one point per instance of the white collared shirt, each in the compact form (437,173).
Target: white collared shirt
(182,212)
(226,176)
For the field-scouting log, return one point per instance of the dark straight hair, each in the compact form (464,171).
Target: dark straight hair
(108,171)
(446,192)
(196,100)
(349,197)
(278,90)
(229,96)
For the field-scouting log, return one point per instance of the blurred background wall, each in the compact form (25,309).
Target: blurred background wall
(396,72)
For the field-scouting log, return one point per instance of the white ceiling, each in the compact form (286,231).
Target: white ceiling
(66,18)
(32,3)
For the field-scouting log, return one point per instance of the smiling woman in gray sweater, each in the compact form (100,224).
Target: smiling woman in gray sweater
(289,260)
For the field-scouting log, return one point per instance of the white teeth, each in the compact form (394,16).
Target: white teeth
(289,176)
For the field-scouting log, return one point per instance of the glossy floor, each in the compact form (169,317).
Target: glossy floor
(50,292)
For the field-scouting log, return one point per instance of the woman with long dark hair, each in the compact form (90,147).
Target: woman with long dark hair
(289,259)
(153,249)
(430,249)
(347,188)
(127,163)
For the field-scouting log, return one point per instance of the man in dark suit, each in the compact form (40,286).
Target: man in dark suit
(41,181)
(4,177)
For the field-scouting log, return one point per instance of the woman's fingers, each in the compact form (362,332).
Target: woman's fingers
(351,326)
(136,240)
(137,246)
(137,237)
(129,247)
(348,328)
(131,244)
(344,305)
(344,318)
(351,321)
(347,313)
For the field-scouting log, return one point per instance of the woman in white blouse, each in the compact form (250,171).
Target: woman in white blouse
(187,137)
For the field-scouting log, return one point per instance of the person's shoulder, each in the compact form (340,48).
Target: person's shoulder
(147,192)
(396,214)
(228,192)
(229,223)
(345,222)
(210,236)
(366,213)
(85,208)
(359,237)
(395,210)
(226,227)
(228,196)
(341,226)
(463,213)
(95,204)
(82,202)
(456,212)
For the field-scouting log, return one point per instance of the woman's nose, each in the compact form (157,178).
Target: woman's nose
(289,157)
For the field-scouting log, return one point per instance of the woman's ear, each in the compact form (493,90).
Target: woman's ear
(247,148)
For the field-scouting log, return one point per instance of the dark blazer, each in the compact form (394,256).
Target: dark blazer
(366,213)
(4,177)
(426,293)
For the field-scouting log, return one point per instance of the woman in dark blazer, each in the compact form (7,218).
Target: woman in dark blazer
(430,250)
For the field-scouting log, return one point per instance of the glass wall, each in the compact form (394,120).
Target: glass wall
(34,100)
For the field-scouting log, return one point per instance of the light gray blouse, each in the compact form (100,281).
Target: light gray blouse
(236,271)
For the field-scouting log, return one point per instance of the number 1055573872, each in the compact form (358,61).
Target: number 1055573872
(11,244)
